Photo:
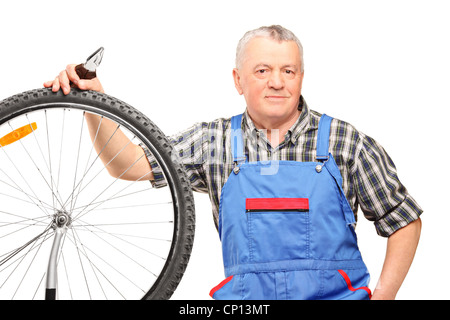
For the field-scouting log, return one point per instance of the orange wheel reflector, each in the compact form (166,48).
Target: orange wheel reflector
(17,134)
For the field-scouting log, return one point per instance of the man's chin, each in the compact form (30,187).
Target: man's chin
(275,112)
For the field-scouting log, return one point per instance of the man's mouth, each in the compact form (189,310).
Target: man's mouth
(275,98)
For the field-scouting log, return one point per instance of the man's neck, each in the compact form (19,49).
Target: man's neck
(276,130)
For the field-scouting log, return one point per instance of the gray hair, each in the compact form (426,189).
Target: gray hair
(274,32)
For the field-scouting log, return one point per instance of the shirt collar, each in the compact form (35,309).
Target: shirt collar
(304,122)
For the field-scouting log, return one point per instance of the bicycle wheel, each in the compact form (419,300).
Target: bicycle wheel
(70,230)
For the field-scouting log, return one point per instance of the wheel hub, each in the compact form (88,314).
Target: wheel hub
(61,219)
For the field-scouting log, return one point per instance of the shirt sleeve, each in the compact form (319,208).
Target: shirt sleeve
(158,176)
(190,146)
(381,196)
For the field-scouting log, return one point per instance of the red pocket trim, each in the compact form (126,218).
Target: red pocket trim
(220,285)
(276,204)
(349,284)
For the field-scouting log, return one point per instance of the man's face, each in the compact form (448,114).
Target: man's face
(270,78)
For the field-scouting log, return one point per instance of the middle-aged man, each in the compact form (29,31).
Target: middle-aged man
(285,183)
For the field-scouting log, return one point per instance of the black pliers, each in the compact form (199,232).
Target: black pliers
(88,69)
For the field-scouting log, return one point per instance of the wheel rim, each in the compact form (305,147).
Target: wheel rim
(117,235)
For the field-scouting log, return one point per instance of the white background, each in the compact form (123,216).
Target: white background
(381,65)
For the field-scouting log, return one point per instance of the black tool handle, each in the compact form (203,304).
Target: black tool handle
(83,73)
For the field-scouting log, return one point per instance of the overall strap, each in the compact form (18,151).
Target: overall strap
(323,137)
(237,141)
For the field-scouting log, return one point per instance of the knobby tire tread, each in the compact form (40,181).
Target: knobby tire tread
(185,229)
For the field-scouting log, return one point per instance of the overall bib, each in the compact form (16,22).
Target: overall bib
(287,229)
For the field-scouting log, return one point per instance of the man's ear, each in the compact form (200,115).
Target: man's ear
(237,81)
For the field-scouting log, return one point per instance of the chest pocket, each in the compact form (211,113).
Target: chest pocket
(278,228)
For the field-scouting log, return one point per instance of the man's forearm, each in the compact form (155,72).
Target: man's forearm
(401,248)
(122,158)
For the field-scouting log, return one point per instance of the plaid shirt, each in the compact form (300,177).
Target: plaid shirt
(369,175)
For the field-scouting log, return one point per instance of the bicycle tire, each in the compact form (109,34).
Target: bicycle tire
(129,117)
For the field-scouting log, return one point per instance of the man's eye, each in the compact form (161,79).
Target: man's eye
(289,71)
(262,71)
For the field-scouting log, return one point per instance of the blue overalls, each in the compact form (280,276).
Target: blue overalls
(288,233)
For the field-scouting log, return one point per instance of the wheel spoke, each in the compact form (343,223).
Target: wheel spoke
(120,236)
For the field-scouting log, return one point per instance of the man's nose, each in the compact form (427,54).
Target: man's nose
(276,80)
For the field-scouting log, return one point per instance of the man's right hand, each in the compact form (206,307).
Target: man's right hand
(69,76)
